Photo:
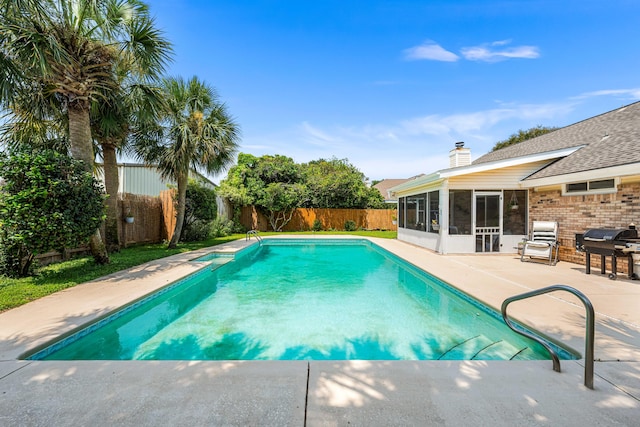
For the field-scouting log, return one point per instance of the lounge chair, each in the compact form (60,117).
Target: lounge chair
(543,242)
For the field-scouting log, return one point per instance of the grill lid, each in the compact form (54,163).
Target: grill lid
(610,234)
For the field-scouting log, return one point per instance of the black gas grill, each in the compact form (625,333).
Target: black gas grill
(608,242)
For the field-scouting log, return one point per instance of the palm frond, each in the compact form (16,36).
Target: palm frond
(147,50)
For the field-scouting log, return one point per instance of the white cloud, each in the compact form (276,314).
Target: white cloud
(462,124)
(633,93)
(404,148)
(487,53)
(315,136)
(395,165)
(501,42)
(430,50)
(427,125)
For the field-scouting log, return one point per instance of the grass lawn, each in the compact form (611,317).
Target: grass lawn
(55,277)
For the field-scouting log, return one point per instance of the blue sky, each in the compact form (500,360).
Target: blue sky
(392,85)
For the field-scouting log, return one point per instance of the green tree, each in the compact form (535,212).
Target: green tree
(68,49)
(336,183)
(113,118)
(48,201)
(276,185)
(35,121)
(273,184)
(193,131)
(279,200)
(201,210)
(523,135)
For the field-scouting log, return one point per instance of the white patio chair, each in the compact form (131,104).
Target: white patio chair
(543,242)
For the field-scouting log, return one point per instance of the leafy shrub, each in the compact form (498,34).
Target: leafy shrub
(317,225)
(47,201)
(222,227)
(350,225)
(197,231)
(11,256)
(200,211)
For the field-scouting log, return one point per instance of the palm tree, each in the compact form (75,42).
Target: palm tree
(35,121)
(70,50)
(193,132)
(113,118)
(110,127)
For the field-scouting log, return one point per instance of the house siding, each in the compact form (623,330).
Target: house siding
(496,179)
(602,147)
(576,214)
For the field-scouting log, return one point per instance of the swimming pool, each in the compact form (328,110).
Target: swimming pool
(291,299)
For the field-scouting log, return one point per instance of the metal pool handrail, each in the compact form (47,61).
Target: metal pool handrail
(253,233)
(589,338)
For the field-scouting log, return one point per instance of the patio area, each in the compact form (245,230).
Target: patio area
(335,393)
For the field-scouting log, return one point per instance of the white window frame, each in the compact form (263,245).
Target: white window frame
(614,189)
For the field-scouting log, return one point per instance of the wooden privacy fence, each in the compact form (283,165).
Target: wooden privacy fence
(148,219)
(154,220)
(303,219)
(168,212)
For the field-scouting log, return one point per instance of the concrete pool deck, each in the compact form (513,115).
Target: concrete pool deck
(335,393)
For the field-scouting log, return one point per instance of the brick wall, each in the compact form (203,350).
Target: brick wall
(576,214)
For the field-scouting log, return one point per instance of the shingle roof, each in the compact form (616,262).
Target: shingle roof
(610,139)
(384,186)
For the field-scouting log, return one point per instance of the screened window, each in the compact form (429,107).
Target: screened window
(460,211)
(514,212)
(416,212)
(434,211)
(420,212)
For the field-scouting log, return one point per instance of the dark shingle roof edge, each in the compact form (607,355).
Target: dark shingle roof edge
(585,132)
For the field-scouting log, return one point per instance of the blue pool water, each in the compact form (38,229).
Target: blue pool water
(302,299)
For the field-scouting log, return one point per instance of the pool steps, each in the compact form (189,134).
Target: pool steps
(219,262)
(481,348)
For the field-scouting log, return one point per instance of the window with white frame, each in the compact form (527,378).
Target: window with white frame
(597,186)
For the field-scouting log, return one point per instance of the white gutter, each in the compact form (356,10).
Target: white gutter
(594,174)
(483,167)
(425,179)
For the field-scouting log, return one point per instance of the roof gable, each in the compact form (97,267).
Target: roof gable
(621,148)
(386,184)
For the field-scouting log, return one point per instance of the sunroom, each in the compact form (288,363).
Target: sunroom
(469,208)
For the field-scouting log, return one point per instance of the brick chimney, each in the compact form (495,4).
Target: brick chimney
(459,156)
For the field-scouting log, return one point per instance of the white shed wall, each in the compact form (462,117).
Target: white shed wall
(141,180)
